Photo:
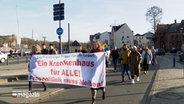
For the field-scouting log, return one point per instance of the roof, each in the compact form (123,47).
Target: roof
(138,35)
(148,35)
(116,28)
(76,43)
(174,27)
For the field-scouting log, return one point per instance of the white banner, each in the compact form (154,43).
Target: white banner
(81,69)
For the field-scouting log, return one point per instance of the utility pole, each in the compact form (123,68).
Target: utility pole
(68,37)
(44,37)
(58,16)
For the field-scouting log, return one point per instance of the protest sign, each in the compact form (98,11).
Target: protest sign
(81,69)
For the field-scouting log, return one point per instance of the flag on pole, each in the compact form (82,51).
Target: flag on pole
(104,46)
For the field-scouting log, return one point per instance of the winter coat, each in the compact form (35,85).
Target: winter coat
(44,51)
(124,55)
(149,56)
(134,61)
(114,54)
(52,51)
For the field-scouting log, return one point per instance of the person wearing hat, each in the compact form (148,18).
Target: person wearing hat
(134,61)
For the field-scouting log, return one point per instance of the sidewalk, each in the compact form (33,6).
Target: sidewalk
(168,87)
(13,70)
(7,90)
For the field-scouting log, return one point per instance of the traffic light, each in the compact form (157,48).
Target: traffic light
(58,11)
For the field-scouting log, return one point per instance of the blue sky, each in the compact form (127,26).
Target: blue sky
(86,17)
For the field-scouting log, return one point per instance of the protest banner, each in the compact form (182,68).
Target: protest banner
(80,69)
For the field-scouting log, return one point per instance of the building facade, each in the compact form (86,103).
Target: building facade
(101,37)
(120,35)
(169,36)
(145,39)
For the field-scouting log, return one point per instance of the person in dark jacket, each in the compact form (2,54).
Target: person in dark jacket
(44,49)
(115,55)
(52,50)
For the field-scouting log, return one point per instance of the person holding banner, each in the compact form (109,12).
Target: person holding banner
(96,47)
(36,49)
(83,49)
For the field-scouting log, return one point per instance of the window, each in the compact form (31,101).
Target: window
(122,38)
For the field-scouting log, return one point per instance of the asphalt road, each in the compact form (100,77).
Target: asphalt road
(116,92)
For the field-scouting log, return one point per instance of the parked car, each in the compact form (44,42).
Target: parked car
(26,52)
(173,50)
(3,57)
(160,51)
(181,56)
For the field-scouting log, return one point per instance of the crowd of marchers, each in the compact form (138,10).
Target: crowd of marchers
(130,59)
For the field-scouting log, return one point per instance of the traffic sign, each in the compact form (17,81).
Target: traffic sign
(59,18)
(58,11)
(58,6)
(59,31)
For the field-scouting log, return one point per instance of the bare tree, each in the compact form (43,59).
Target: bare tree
(154,15)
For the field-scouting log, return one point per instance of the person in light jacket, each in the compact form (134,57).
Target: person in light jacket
(134,62)
(96,47)
(146,59)
(123,56)
(36,49)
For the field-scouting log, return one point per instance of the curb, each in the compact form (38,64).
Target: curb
(151,88)
(9,78)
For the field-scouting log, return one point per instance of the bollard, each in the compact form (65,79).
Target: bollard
(183,69)
(7,62)
(26,59)
(18,59)
(173,60)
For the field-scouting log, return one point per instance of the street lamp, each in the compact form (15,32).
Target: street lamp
(44,37)
(114,35)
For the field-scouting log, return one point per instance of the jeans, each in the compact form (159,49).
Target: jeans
(115,63)
(145,65)
(125,68)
